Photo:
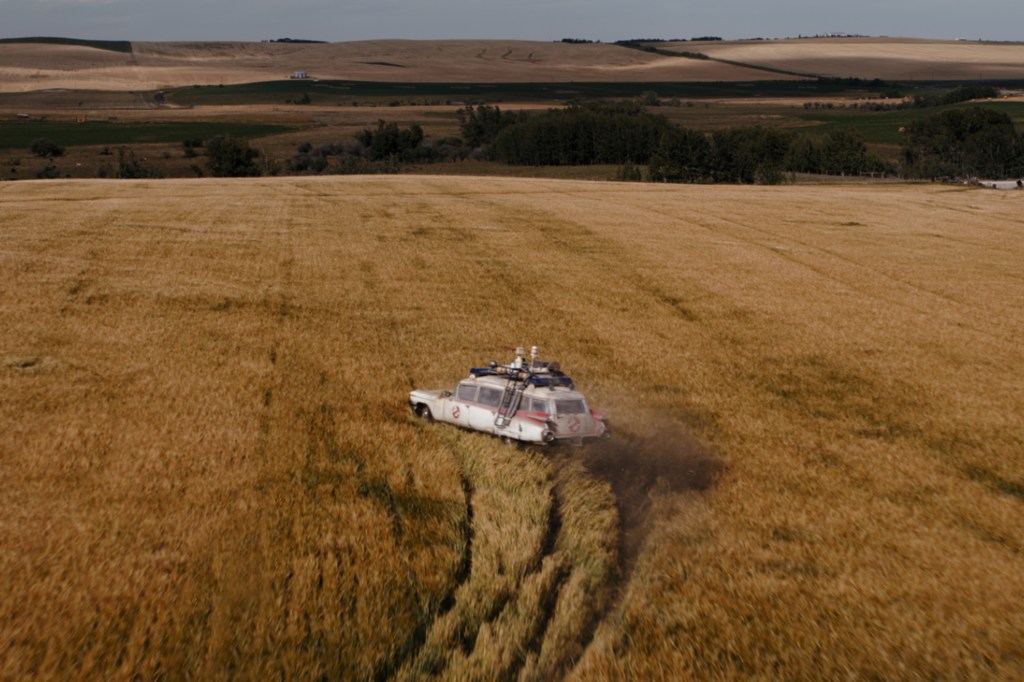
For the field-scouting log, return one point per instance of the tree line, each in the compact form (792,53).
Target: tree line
(627,134)
(580,135)
(957,142)
(961,141)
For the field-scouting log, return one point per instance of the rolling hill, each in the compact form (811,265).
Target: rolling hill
(26,66)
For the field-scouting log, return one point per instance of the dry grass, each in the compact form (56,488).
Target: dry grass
(210,470)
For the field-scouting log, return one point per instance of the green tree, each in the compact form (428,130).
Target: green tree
(229,156)
(751,155)
(972,141)
(966,93)
(683,155)
(480,125)
(389,141)
(45,147)
(649,98)
(804,155)
(844,152)
(581,135)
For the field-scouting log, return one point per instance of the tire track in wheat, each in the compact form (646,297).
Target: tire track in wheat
(410,651)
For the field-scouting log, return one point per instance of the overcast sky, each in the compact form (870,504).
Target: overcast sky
(605,20)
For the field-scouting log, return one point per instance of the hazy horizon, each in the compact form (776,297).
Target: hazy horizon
(599,20)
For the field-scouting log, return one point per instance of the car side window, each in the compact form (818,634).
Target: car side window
(466,392)
(489,396)
(570,407)
(536,405)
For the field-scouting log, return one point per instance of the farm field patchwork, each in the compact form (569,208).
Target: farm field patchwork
(344,92)
(144,66)
(19,135)
(152,66)
(210,469)
(159,136)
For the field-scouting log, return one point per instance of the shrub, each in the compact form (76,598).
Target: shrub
(190,146)
(45,147)
(629,172)
(130,168)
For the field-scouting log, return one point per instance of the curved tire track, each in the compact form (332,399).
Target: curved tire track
(540,628)
(412,646)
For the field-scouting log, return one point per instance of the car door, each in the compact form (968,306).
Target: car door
(484,411)
(457,410)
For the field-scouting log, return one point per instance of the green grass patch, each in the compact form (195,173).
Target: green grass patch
(883,127)
(322,92)
(111,45)
(19,134)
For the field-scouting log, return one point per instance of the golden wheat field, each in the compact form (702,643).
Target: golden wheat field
(210,471)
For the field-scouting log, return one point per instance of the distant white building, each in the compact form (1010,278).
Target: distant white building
(300,74)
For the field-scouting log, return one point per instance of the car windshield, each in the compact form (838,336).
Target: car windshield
(570,407)
(467,392)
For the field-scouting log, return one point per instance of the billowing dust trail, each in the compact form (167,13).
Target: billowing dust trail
(638,465)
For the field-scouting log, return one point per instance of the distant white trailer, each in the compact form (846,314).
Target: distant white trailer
(298,75)
(1002,184)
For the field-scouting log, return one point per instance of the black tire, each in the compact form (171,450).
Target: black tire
(423,412)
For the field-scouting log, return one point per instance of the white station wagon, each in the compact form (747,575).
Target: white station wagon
(531,402)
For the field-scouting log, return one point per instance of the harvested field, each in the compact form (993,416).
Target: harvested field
(210,470)
(897,59)
(26,67)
